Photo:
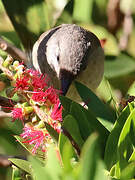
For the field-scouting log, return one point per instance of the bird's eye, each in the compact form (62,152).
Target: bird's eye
(58,58)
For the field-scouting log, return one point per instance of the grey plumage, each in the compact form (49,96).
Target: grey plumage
(68,52)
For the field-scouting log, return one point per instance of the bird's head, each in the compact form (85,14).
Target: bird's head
(64,52)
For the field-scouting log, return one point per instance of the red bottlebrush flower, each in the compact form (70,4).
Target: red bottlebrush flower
(22,83)
(35,137)
(57,111)
(39,96)
(32,72)
(17,113)
(39,81)
(52,95)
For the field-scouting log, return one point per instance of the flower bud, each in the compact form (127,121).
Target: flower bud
(28,109)
(40,124)
(8,61)
(34,119)
(16,64)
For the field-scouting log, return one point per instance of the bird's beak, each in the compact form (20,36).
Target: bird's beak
(66,80)
(65,83)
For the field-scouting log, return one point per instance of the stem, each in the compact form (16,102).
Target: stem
(12,50)
(5,115)
(74,144)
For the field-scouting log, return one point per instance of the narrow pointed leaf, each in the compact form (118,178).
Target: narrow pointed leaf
(91,165)
(22,164)
(112,142)
(52,164)
(38,170)
(101,111)
(70,124)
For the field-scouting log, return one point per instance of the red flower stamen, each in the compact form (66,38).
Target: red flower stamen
(57,111)
(17,113)
(35,137)
(22,83)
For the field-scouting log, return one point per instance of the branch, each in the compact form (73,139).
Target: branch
(4,162)
(5,115)
(127,29)
(6,102)
(115,16)
(74,144)
(12,50)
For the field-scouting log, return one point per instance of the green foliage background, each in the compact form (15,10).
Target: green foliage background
(109,153)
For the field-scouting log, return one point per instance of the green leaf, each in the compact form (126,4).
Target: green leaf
(68,156)
(87,121)
(77,111)
(40,154)
(20,140)
(66,103)
(112,142)
(16,173)
(124,144)
(8,145)
(38,170)
(52,132)
(131,90)
(119,66)
(128,172)
(91,165)
(83,10)
(70,124)
(25,15)
(107,93)
(62,141)
(66,151)
(132,157)
(52,164)
(102,112)
(22,164)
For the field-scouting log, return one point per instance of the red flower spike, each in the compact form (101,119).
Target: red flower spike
(52,95)
(39,96)
(33,72)
(17,113)
(22,83)
(57,111)
(35,137)
(39,81)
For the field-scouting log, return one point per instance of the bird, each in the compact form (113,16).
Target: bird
(69,52)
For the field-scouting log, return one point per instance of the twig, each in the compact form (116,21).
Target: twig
(127,29)
(74,144)
(12,50)
(115,16)
(5,115)
(5,102)
(4,162)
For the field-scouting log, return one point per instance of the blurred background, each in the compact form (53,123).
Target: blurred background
(22,22)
